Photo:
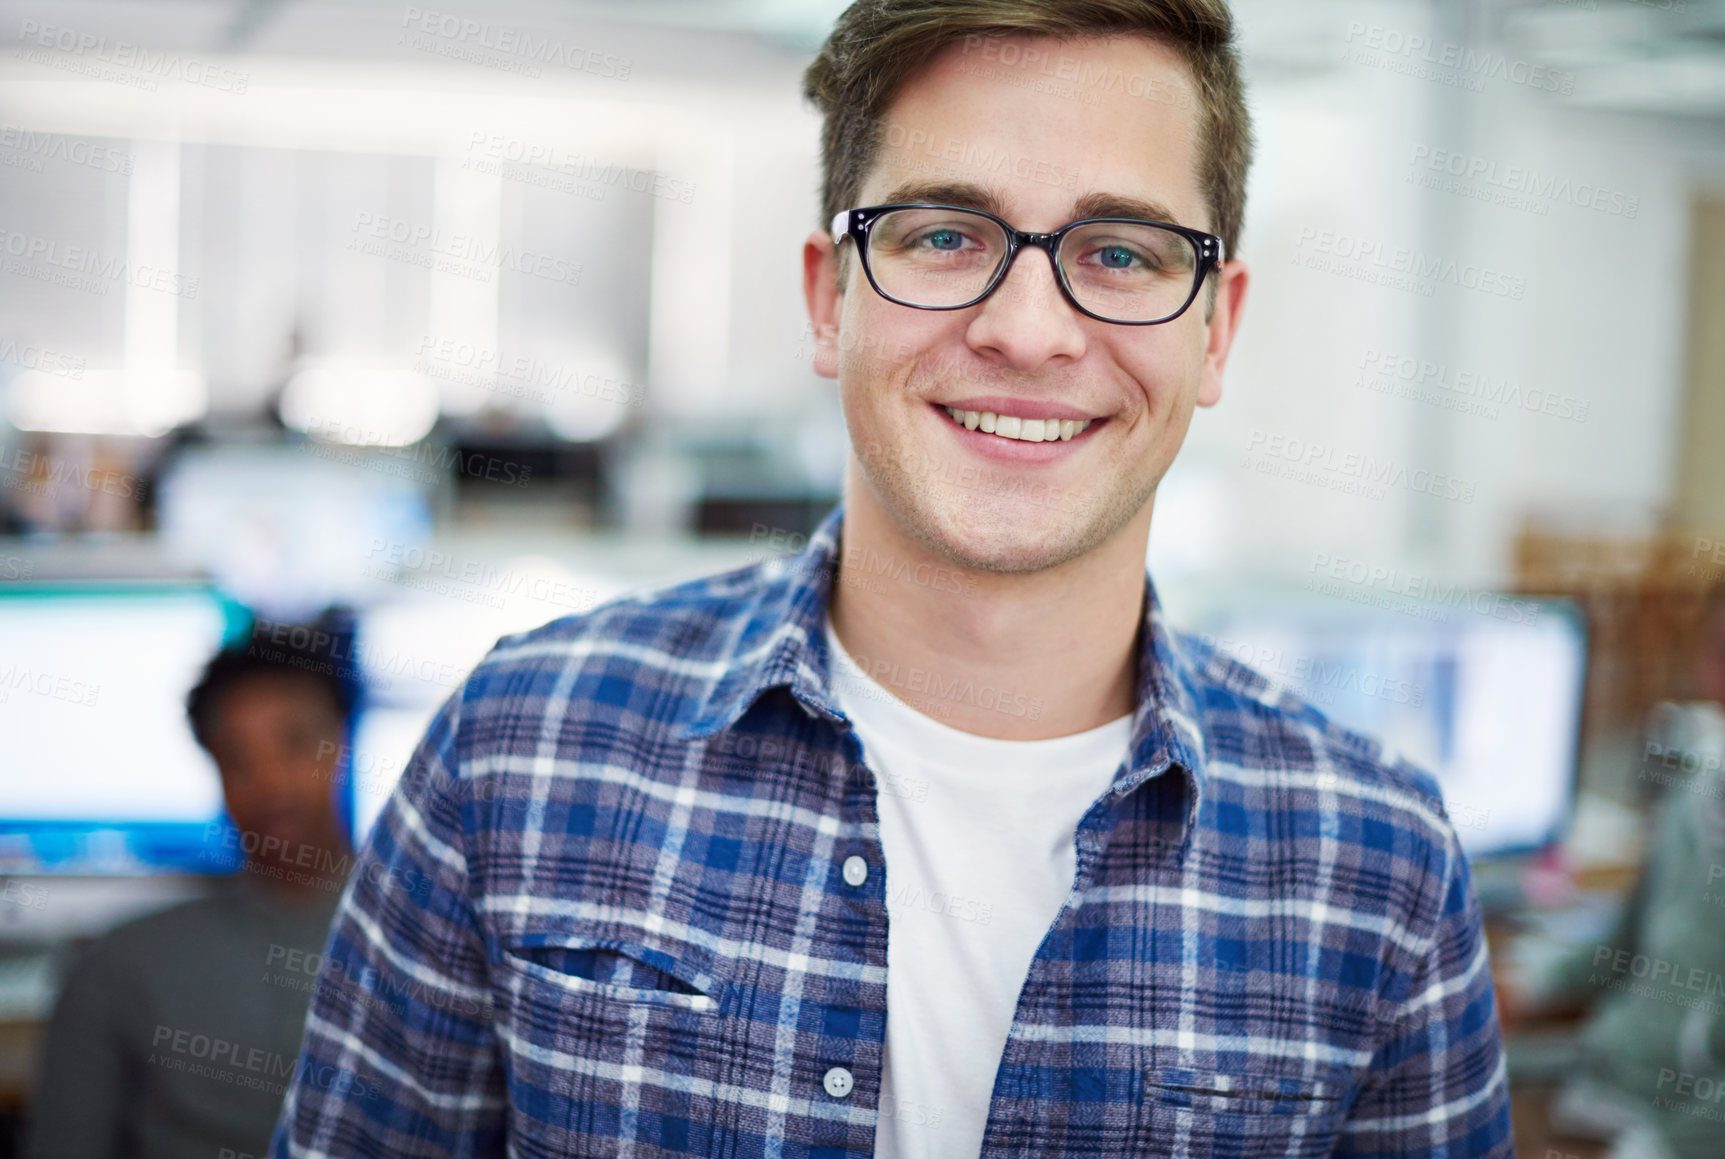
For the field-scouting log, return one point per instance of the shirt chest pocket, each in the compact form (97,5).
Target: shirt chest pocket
(610,1033)
(1271,1109)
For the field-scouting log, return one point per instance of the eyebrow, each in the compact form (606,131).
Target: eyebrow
(1113,205)
(969,196)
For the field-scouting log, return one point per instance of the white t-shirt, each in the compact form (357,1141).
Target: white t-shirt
(978,836)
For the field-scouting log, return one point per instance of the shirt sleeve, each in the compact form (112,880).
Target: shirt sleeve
(82,1087)
(1438,1084)
(399,1057)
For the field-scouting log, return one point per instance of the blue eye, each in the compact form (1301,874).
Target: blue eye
(1116,257)
(944,239)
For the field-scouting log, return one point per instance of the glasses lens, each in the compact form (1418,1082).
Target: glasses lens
(1129,271)
(934,257)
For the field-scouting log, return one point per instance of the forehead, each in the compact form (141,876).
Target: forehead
(268,692)
(1043,126)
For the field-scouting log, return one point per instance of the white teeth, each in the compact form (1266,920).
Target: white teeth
(1013,427)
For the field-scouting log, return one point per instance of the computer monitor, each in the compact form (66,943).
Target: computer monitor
(1486,696)
(384,739)
(102,773)
(413,653)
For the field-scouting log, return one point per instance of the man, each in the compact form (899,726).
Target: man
(1138,901)
(1650,1075)
(175,1033)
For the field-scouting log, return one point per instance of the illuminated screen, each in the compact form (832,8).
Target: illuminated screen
(102,772)
(1488,704)
(383,743)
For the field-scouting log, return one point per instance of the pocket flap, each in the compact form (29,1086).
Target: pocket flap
(620,961)
(1266,1090)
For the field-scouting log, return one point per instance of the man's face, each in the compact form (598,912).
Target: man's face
(973,131)
(275,739)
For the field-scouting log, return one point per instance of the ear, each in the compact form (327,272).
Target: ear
(821,293)
(1220,330)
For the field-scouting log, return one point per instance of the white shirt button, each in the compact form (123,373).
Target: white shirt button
(856,870)
(838,1082)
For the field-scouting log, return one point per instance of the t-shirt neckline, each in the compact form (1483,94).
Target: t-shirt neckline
(944,741)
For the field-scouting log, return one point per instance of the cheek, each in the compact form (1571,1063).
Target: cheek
(244,805)
(883,343)
(1168,368)
(1156,389)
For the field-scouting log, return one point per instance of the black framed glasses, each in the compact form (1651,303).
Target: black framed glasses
(1113,269)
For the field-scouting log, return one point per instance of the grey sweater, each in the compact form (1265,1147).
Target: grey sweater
(175,1034)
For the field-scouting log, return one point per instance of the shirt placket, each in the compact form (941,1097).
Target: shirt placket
(1017,1112)
(852,1046)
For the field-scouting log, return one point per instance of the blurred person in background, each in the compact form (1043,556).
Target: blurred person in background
(1652,1078)
(175,1033)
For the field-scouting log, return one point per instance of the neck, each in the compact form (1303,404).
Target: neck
(1015,656)
(306,886)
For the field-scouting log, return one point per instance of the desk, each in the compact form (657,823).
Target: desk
(1533,1135)
(1531,1095)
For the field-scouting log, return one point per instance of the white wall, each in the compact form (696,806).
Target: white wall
(1602,320)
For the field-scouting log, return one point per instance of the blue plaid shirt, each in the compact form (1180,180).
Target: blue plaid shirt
(604,914)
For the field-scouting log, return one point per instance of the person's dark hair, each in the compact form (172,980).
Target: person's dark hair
(877,44)
(273,650)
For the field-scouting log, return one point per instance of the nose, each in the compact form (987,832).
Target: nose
(1027,321)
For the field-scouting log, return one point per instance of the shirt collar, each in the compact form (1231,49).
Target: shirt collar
(782,643)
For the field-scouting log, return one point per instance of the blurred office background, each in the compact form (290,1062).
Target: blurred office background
(463,319)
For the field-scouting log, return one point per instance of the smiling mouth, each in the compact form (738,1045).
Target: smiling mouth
(1019,429)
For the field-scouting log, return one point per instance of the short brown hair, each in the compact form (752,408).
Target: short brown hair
(878,44)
